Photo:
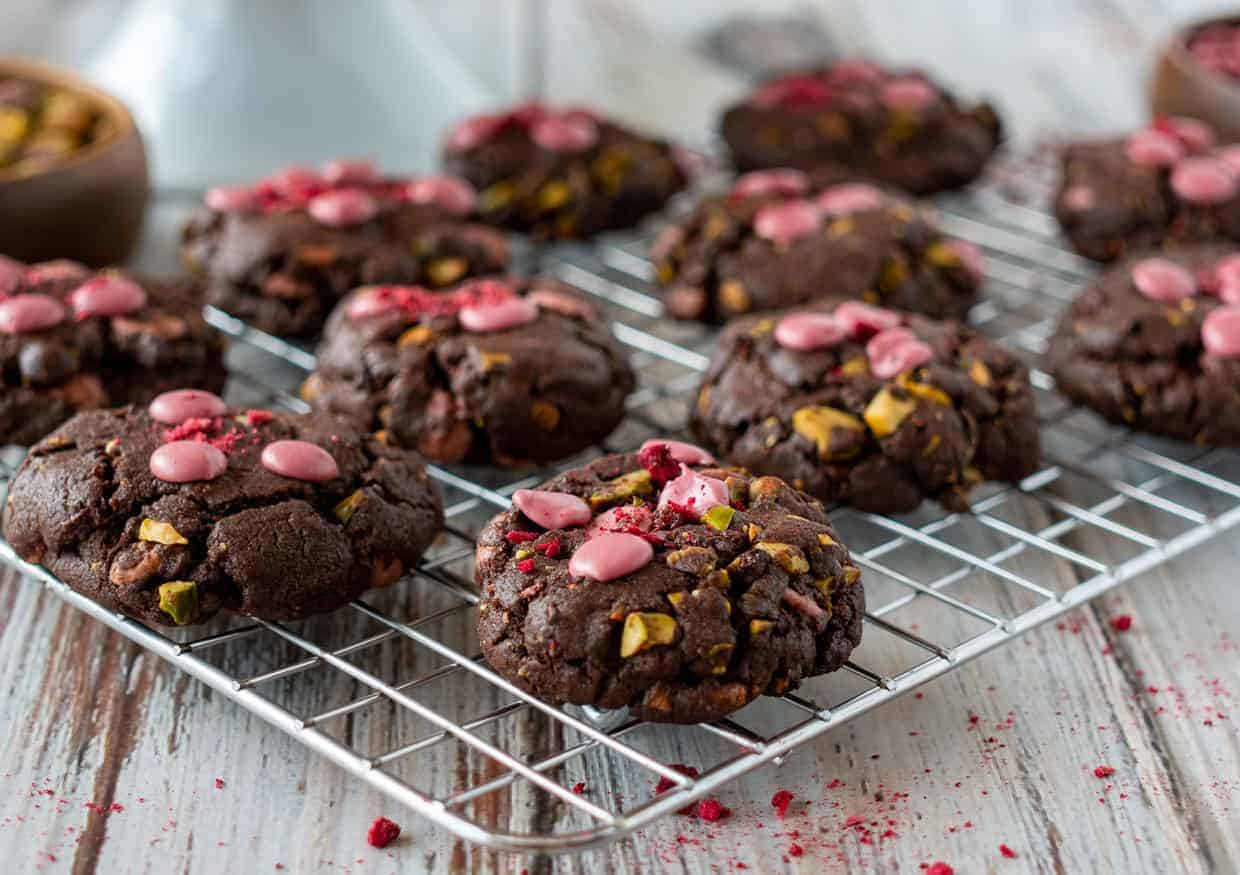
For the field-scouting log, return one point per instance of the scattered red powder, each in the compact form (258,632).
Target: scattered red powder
(116,806)
(1122,623)
(580,788)
(1007,852)
(195,429)
(940,869)
(1103,771)
(666,784)
(712,810)
(526,566)
(219,783)
(256,418)
(780,802)
(657,459)
(382,833)
(519,537)
(795,850)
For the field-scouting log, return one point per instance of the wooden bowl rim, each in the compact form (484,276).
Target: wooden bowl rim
(123,123)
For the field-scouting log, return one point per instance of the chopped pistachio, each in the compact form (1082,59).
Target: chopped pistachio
(719,517)
(733,297)
(940,254)
(840,227)
(758,627)
(738,490)
(523,553)
(826,540)
(348,506)
(179,600)
(693,560)
(893,276)
(855,366)
(718,580)
(924,391)
(496,196)
(820,424)
(643,631)
(788,556)
(622,487)
(824,584)
(677,598)
(885,412)
(764,486)
(491,360)
(851,575)
(416,335)
(545,415)
(753,532)
(980,373)
(445,271)
(703,399)
(719,654)
(160,533)
(112,447)
(553,195)
(762,326)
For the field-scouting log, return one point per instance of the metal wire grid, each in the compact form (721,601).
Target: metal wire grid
(394,690)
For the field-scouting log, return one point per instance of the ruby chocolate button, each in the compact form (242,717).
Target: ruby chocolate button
(1204,180)
(850,198)
(689,454)
(299,460)
(187,462)
(692,493)
(343,208)
(894,351)
(28,313)
(106,295)
(1220,332)
(785,222)
(908,94)
(781,182)
(609,556)
(564,133)
(11,275)
(355,170)
(232,199)
(173,408)
(1153,149)
(452,195)
(1161,279)
(498,315)
(809,331)
(552,510)
(862,320)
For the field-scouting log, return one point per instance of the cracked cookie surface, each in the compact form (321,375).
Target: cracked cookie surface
(870,407)
(721,587)
(86,505)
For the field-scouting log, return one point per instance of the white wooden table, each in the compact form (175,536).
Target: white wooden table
(112,762)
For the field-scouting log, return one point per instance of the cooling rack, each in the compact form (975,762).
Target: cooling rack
(393,688)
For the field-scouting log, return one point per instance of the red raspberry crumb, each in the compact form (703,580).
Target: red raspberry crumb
(795,850)
(526,566)
(1103,771)
(194,429)
(657,459)
(780,802)
(518,537)
(1122,623)
(1007,852)
(940,869)
(580,788)
(712,810)
(551,549)
(257,417)
(382,833)
(219,783)
(666,784)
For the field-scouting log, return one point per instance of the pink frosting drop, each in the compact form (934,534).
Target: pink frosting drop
(692,493)
(680,451)
(908,93)
(1230,155)
(1196,135)
(609,556)
(970,256)
(232,199)
(559,302)
(1161,279)
(355,170)
(782,182)
(27,313)
(187,462)
(56,269)
(498,315)
(788,221)
(1220,332)
(894,351)
(299,460)
(1227,275)
(564,133)
(1079,198)
(343,207)
(293,179)
(552,510)
(449,193)
(173,408)
(473,132)
(622,519)
(860,320)
(849,198)
(1153,149)
(808,331)
(1204,181)
(11,275)
(107,295)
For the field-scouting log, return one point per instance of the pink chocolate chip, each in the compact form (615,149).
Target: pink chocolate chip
(622,519)
(173,408)
(894,351)
(450,193)
(356,170)
(1204,181)
(788,221)
(11,275)
(1196,135)
(552,510)
(908,93)
(232,199)
(807,331)
(343,207)
(1079,198)
(1161,279)
(56,269)
(559,302)
(561,133)
(299,460)
(782,182)
(609,556)
(106,295)
(187,462)
(849,198)
(498,315)
(473,132)
(27,313)
(1153,149)
(693,493)
(970,256)
(688,454)
(860,320)
(1220,332)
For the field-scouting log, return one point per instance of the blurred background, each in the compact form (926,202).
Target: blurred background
(228,89)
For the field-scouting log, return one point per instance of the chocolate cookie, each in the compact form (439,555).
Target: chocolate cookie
(74,339)
(665,583)
(1154,343)
(280,253)
(507,372)
(561,173)
(174,512)
(868,406)
(780,238)
(1164,186)
(895,126)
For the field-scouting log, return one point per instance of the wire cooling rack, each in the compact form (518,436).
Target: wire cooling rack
(394,690)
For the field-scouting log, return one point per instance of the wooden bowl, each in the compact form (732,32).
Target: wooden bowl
(87,207)
(1182,86)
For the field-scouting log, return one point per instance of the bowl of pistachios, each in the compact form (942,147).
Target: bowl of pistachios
(73,171)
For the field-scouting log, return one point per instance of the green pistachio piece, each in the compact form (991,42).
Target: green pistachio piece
(160,533)
(788,556)
(643,631)
(179,600)
(885,412)
(719,517)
